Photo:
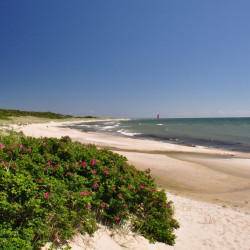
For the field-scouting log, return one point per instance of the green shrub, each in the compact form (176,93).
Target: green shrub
(51,189)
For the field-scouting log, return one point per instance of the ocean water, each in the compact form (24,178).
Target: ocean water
(226,133)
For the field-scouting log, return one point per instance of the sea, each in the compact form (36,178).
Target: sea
(226,133)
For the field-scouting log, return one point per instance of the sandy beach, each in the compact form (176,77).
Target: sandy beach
(210,189)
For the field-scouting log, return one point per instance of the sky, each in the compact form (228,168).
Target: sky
(126,58)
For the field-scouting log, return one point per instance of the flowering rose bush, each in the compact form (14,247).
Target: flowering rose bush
(52,188)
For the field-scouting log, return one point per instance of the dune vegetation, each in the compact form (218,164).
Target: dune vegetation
(51,189)
(5,114)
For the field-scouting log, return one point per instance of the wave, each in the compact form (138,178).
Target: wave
(111,122)
(87,126)
(109,127)
(127,132)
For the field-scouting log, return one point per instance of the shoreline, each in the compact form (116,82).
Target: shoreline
(206,174)
(146,129)
(205,185)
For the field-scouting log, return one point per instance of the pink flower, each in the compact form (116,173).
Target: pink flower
(2,146)
(114,188)
(12,147)
(29,149)
(46,195)
(39,180)
(115,171)
(81,193)
(106,171)
(87,192)
(108,155)
(153,190)
(35,235)
(12,165)
(4,163)
(45,168)
(93,162)
(70,195)
(21,155)
(122,212)
(129,187)
(120,194)
(67,165)
(55,167)
(117,218)
(48,163)
(125,205)
(84,164)
(103,204)
(21,146)
(96,185)
(142,186)
(94,171)
(89,207)
(155,200)
(167,205)
(69,173)
(76,164)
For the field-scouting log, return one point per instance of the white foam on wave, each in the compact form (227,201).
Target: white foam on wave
(107,127)
(198,146)
(88,126)
(110,127)
(160,124)
(111,122)
(127,132)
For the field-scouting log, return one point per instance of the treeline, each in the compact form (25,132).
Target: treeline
(6,113)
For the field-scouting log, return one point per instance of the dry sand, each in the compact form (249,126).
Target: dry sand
(191,175)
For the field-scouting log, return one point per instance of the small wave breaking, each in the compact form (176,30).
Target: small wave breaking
(127,132)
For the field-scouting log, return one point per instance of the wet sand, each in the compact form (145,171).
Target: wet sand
(224,180)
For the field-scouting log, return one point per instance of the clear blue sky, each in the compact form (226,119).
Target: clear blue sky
(126,58)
